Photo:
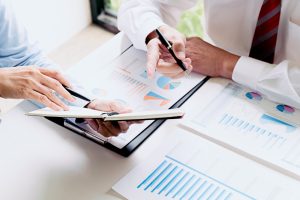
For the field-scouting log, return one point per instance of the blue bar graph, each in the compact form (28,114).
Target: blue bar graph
(243,127)
(174,179)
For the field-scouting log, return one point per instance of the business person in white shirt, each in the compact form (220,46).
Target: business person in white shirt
(255,43)
(26,73)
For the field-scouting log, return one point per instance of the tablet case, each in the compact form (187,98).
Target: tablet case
(140,138)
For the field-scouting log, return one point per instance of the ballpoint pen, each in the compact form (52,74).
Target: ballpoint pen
(80,96)
(168,45)
(76,94)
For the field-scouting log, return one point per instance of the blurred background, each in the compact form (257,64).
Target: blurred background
(106,11)
(54,22)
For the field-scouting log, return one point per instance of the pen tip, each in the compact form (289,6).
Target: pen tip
(187,73)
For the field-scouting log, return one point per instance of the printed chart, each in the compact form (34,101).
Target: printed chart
(125,79)
(192,168)
(152,96)
(167,83)
(244,120)
(176,180)
(254,96)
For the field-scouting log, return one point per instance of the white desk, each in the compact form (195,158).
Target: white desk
(40,160)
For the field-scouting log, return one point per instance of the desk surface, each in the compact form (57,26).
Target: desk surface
(49,162)
(41,160)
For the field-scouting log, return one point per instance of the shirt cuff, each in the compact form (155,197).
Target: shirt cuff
(150,25)
(248,71)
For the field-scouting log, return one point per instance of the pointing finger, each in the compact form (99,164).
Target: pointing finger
(152,56)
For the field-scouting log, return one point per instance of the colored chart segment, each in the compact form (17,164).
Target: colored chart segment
(253,96)
(285,109)
(152,96)
(266,119)
(167,83)
(144,74)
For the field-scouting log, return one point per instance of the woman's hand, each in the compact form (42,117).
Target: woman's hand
(159,58)
(109,129)
(34,83)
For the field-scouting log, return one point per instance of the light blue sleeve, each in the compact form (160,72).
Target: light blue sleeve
(16,49)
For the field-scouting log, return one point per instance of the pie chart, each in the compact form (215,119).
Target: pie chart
(253,96)
(167,83)
(285,109)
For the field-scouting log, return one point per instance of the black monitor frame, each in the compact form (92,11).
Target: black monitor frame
(103,18)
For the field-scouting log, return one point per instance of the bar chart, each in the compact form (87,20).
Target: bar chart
(241,120)
(176,180)
(265,137)
(190,168)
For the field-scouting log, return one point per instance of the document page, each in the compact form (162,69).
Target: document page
(246,122)
(124,79)
(191,167)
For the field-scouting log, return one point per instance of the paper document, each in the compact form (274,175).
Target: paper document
(244,121)
(193,168)
(124,79)
(78,112)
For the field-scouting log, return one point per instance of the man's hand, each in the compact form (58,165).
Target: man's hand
(210,60)
(158,57)
(36,84)
(109,129)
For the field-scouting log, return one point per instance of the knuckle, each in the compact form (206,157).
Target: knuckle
(50,94)
(42,98)
(32,71)
(55,73)
(114,105)
(28,81)
(56,84)
(173,38)
(22,92)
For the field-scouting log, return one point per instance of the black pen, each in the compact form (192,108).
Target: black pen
(168,45)
(76,94)
(80,96)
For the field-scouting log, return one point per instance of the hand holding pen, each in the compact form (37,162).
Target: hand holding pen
(166,53)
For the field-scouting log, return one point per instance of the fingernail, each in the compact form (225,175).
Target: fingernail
(73,99)
(149,73)
(150,76)
(181,55)
(66,108)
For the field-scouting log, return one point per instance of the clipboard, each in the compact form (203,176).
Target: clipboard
(138,140)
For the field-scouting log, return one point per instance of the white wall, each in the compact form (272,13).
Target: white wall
(53,22)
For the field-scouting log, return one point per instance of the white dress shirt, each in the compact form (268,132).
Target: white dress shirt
(230,24)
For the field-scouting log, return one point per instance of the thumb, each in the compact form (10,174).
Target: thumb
(179,50)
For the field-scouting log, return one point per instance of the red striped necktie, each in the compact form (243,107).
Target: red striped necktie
(265,36)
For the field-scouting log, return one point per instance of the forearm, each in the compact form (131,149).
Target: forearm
(279,83)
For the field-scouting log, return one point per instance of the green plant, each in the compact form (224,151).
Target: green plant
(190,23)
